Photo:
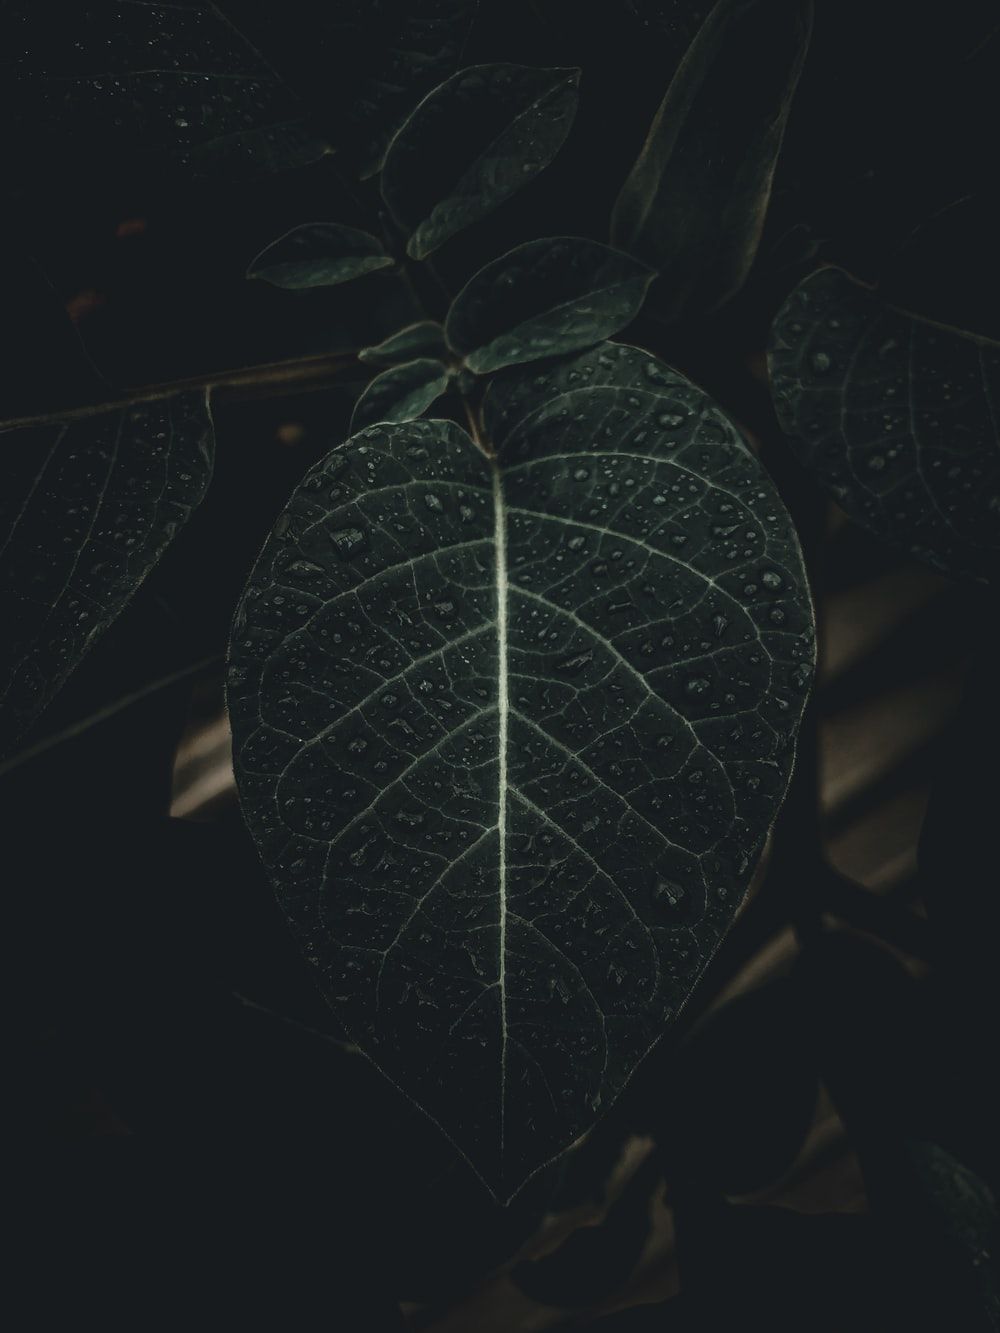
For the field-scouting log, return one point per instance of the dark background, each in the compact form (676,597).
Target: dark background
(198,1144)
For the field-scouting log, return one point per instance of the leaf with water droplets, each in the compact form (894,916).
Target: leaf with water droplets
(425,338)
(171,85)
(401,393)
(897,417)
(472,143)
(319,254)
(510,733)
(694,202)
(542,299)
(87,508)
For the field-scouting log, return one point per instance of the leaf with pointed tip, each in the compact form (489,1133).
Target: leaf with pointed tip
(401,393)
(425,338)
(174,85)
(319,254)
(897,417)
(542,299)
(88,507)
(694,203)
(510,733)
(472,143)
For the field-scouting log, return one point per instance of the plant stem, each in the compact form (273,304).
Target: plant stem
(103,714)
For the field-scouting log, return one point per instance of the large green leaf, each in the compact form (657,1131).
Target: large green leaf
(694,203)
(401,393)
(87,508)
(173,83)
(472,143)
(544,298)
(897,417)
(510,732)
(319,254)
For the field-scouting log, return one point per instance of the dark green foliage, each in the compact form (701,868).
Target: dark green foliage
(897,417)
(319,254)
(88,508)
(543,299)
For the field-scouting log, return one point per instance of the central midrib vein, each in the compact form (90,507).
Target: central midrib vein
(503,715)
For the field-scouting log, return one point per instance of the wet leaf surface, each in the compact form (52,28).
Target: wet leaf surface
(319,254)
(173,84)
(401,393)
(471,144)
(542,299)
(509,736)
(897,417)
(88,507)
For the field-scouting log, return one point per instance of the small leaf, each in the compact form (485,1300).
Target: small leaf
(423,339)
(170,85)
(319,254)
(542,299)
(401,393)
(88,507)
(472,143)
(695,201)
(510,733)
(897,417)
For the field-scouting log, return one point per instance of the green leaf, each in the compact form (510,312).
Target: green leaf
(401,393)
(510,732)
(319,254)
(173,85)
(897,417)
(425,338)
(88,507)
(695,201)
(472,143)
(413,45)
(544,298)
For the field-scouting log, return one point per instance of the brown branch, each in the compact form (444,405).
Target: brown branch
(228,386)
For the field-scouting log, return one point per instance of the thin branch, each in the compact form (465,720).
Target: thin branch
(278,377)
(103,714)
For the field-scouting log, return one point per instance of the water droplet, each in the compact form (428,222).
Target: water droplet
(347,542)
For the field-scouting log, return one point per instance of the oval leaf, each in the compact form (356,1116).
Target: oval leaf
(544,298)
(425,338)
(897,417)
(471,144)
(88,507)
(319,254)
(695,201)
(510,733)
(401,393)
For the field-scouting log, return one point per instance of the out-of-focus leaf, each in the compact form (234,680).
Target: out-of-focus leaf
(740,1095)
(595,1261)
(401,393)
(472,143)
(896,417)
(87,508)
(694,204)
(425,338)
(542,299)
(174,84)
(319,254)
